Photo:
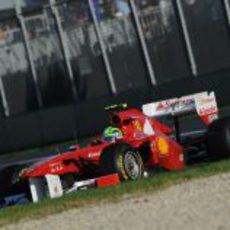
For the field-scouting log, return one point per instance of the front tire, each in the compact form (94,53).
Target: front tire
(122,159)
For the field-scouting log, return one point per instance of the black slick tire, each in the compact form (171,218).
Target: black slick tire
(218,139)
(121,158)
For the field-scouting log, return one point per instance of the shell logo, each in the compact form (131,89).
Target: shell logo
(163,146)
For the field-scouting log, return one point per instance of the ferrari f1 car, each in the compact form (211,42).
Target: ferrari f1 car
(135,141)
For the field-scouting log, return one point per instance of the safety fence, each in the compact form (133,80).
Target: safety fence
(56,52)
(62,61)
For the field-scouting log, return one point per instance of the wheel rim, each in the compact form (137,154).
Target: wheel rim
(132,165)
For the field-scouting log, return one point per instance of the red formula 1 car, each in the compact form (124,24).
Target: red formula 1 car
(135,141)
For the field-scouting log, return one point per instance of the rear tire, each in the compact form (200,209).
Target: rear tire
(122,159)
(218,139)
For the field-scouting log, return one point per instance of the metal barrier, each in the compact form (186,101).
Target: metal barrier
(65,52)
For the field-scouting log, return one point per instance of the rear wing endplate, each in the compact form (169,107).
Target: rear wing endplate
(204,104)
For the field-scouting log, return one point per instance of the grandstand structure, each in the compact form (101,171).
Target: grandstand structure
(62,61)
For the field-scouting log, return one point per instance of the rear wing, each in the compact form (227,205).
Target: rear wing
(204,104)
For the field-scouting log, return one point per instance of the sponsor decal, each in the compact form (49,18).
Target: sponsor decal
(54,186)
(206,105)
(56,167)
(95,154)
(205,100)
(161,106)
(203,103)
(176,105)
(163,146)
(205,111)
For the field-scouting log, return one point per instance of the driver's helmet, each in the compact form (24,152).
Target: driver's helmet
(110,134)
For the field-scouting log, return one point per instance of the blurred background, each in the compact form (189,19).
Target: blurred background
(62,61)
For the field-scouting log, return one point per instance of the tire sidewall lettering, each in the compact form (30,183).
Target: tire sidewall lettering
(121,166)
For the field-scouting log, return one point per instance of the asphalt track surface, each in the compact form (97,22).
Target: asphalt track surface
(202,204)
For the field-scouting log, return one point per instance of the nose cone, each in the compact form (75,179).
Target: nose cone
(56,165)
(38,169)
(31,171)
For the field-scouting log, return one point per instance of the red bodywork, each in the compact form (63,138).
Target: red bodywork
(138,131)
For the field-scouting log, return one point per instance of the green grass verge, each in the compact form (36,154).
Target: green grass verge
(111,194)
